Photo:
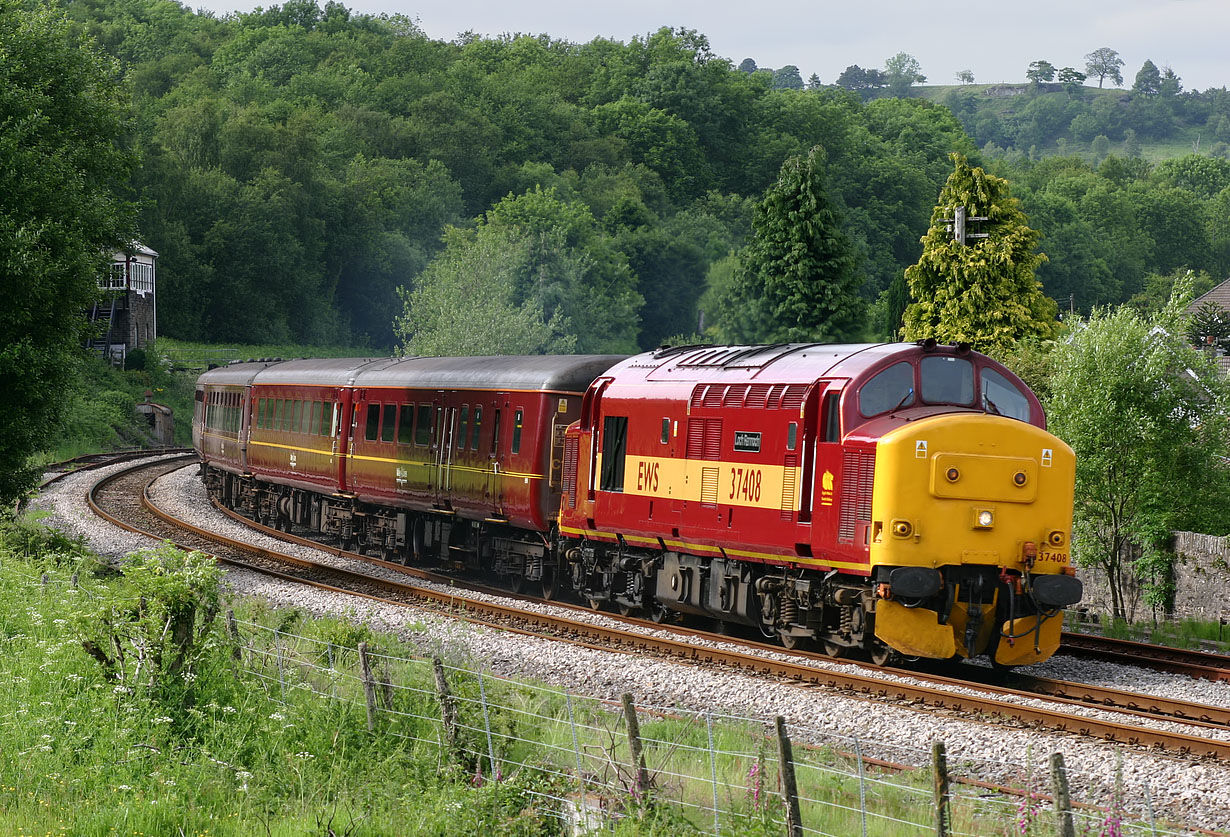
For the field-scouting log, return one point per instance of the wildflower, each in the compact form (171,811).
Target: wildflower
(304,756)
(161,719)
(277,716)
(123,788)
(242,776)
(230,710)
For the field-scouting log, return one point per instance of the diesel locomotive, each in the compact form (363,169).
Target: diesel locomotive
(902,500)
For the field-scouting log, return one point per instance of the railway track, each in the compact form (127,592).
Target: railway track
(1200,664)
(114,498)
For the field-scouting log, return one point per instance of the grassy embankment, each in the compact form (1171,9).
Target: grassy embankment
(130,710)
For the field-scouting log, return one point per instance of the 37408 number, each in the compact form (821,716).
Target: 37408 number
(745,484)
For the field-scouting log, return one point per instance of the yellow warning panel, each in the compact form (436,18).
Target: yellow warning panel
(1020,651)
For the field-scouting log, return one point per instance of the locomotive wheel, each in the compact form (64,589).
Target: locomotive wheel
(833,649)
(624,609)
(882,655)
(789,641)
(658,612)
(594,604)
(516,583)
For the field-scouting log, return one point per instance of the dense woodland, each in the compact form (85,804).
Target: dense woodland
(298,165)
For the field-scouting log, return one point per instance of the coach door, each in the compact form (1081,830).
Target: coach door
(442,452)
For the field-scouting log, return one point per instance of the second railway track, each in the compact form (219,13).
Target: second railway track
(123,498)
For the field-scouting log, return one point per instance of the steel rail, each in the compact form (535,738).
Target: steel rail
(1200,664)
(846,683)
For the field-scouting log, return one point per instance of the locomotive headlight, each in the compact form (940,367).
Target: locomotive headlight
(1019,479)
(902,528)
(1056,538)
(952,475)
(984,519)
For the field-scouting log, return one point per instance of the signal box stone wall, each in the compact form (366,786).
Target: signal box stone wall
(1202,575)
(1201,580)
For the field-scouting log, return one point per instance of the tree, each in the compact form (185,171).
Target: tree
(1072,81)
(982,292)
(1104,63)
(62,172)
(1209,328)
(902,71)
(1171,85)
(466,302)
(1146,415)
(797,279)
(747,65)
(1040,71)
(1100,147)
(965,76)
(813,82)
(859,80)
(787,78)
(1148,80)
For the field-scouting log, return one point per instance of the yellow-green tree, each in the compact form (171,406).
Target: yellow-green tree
(983,291)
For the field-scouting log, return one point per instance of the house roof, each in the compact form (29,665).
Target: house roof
(1219,296)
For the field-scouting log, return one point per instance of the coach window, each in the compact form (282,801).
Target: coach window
(516,444)
(373,422)
(314,418)
(303,412)
(614,446)
(947,380)
(405,425)
(288,414)
(422,426)
(388,423)
(889,390)
(1002,397)
(666,431)
(461,431)
(478,424)
(792,435)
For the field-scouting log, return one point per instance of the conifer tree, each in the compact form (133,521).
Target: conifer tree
(798,277)
(982,292)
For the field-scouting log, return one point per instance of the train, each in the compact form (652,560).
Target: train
(891,500)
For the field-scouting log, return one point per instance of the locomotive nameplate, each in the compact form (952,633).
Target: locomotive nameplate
(747,441)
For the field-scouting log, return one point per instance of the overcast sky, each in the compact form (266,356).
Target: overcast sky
(995,40)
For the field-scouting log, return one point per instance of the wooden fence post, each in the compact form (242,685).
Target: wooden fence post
(790,789)
(641,783)
(1064,827)
(448,714)
(943,809)
(369,687)
(232,628)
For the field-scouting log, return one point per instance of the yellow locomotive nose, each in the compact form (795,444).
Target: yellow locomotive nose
(994,487)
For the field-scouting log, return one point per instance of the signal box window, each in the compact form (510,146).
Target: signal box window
(892,389)
(478,424)
(614,448)
(516,443)
(422,429)
(947,380)
(1001,397)
(373,422)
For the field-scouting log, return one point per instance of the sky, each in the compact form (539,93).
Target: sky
(996,40)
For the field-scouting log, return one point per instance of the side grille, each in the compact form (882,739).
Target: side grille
(790,480)
(857,475)
(570,470)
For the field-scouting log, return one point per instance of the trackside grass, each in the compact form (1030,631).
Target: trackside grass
(134,706)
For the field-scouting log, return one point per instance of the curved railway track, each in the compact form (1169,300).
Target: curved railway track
(114,499)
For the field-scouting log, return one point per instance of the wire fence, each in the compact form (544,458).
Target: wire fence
(597,761)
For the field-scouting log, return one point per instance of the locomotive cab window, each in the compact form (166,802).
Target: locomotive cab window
(889,390)
(947,380)
(666,431)
(1001,396)
(614,447)
(832,417)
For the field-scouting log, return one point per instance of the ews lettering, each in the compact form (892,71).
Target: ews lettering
(647,476)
